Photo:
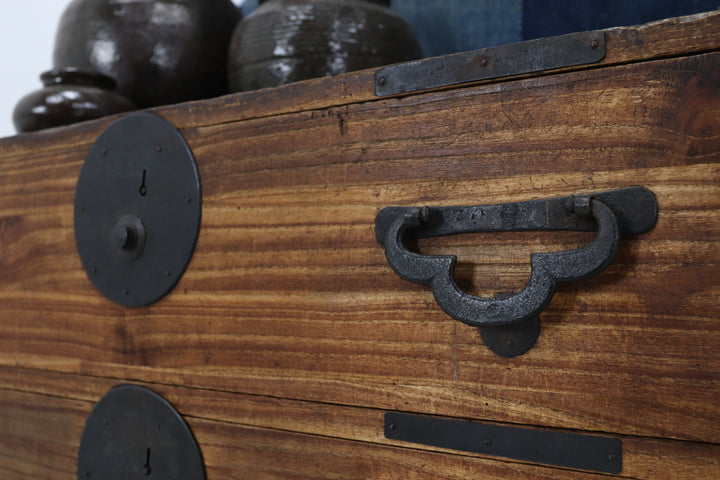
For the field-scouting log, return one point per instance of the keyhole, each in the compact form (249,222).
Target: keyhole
(147,468)
(143,188)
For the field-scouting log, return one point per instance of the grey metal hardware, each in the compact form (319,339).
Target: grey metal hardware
(569,450)
(137,209)
(537,55)
(133,432)
(630,210)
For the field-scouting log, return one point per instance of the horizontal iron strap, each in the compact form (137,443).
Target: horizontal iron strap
(579,451)
(506,60)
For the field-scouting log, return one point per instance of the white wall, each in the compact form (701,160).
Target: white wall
(27,36)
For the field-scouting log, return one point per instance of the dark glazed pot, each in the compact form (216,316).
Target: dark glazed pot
(285,41)
(69,96)
(159,51)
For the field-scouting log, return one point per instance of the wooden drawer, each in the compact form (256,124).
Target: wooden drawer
(289,337)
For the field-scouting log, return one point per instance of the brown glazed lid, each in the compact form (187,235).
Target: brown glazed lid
(69,95)
(75,76)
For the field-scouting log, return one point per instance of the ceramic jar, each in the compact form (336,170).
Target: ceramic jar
(68,96)
(158,51)
(285,41)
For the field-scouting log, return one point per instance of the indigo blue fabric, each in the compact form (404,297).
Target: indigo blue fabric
(451,26)
(544,18)
(247,6)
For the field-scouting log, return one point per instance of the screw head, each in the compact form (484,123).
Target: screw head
(382,81)
(483,62)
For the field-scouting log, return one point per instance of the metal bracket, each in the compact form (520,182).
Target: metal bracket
(507,320)
(569,450)
(137,209)
(133,432)
(507,60)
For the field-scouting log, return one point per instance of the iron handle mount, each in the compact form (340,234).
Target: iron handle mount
(509,322)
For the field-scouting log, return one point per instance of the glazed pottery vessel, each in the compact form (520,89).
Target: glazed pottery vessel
(285,41)
(69,96)
(158,51)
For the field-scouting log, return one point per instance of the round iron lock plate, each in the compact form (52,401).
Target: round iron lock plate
(137,210)
(132,432)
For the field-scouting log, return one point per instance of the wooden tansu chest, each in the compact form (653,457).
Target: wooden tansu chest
(308,331)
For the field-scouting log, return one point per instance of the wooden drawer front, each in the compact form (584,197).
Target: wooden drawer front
(289,336)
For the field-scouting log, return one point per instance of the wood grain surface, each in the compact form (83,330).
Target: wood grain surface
(289,335)
(247,436)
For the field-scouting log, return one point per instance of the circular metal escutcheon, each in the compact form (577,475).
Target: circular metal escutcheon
(133,432)
(137,209)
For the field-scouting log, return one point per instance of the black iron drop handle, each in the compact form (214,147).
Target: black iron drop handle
(509,322)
